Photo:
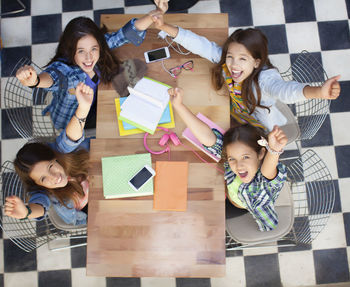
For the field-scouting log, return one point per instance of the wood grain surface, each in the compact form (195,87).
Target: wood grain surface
(199,94)
(126,237)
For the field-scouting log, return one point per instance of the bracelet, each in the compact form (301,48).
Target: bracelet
(34,86)
(29,212)
(80,120)
(263,142)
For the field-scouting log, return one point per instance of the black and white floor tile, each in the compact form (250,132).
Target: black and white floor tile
(319,26)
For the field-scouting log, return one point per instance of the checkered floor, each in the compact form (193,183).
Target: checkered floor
(319,26)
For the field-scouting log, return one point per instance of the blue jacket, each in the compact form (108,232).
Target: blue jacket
(68,214)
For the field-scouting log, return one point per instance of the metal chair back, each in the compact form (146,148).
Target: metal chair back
(24,106)
(313,195)
(310,114)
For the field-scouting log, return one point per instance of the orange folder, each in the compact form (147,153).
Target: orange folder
(170,185)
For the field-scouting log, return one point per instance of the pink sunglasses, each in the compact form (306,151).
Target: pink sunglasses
(174,72)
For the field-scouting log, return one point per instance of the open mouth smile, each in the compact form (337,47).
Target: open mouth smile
(243,175)
(88,65)
(236,74)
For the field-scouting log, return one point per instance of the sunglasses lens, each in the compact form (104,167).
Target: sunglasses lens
(188,65)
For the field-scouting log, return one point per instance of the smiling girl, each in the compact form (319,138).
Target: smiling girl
(83,55)
(254,84)
(253,175)
(56,174)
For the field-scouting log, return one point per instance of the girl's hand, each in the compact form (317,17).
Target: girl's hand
(331,88)
(162,5)
(277,139)
(84,95)
(14,207)
(27,76)
(176,95)
(158,21)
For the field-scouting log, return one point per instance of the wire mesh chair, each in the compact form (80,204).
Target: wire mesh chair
(313,194)
(29,234)
(24,107)
(22,9)
(310,114)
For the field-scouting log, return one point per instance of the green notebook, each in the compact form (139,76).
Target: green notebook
(118,170)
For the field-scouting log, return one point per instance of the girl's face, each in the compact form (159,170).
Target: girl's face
(240,62)
(243,160)
(49,174)
(87,54)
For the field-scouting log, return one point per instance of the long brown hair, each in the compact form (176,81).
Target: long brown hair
(246,134)
(79,27)
(75,165)
(256,43)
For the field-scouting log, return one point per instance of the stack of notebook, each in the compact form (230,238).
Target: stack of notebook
(145,108)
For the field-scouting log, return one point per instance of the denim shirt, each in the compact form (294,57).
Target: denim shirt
(66,77)
(272,86)
(68,214)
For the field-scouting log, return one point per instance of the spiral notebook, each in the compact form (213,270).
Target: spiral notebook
(118,170)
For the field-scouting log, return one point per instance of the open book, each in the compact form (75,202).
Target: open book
(125,129)
(145,105)
(187,134)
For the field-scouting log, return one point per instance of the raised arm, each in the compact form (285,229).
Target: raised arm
(15,207)
(144,22)
(29,78)
(192,42)
(75,127)
(199,129)
(277,140)
(329,90)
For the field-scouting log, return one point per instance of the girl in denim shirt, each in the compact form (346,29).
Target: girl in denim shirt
(243,66)
(56,174)
(84,55)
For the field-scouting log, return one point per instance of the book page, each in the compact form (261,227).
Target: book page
(154,89)
(140,111)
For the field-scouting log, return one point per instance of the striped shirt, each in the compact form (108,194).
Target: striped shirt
(260,194)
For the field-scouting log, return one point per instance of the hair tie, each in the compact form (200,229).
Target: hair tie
(263,142)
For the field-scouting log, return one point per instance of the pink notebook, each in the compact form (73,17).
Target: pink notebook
(187,134)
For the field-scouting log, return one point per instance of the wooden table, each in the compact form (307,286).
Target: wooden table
(126,237)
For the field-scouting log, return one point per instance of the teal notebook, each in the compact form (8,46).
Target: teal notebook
(166,117)
(118,170)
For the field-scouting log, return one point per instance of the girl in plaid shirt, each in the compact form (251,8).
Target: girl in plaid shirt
(253,175)
(84,55)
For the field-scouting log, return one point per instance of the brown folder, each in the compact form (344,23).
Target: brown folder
(170,185)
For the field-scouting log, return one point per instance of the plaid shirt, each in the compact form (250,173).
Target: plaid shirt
(260,194)
(66,77)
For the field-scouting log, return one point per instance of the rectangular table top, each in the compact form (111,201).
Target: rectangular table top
(126,237)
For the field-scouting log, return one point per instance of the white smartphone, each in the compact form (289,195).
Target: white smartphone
(157,55)
(141,177)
